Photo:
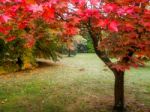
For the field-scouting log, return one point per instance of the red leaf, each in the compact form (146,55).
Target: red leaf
(4,18)
(9,39)
(103,23)
(110,7)
(35,8)
(113,26)
(22,25)
(49,13)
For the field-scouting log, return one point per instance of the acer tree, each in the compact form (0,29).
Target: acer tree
(118,29)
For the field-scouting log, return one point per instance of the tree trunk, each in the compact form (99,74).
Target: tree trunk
(19,62)
(119,91)
(119,75)
(69,53)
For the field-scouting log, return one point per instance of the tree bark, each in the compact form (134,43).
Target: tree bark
(19,62)
(119,91)
(119,76)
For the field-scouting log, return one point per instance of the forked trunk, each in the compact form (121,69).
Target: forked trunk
(119,75)
(119,91)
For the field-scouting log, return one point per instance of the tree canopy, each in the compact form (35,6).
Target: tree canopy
(126,23)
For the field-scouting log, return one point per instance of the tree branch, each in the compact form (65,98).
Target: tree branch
(101,54)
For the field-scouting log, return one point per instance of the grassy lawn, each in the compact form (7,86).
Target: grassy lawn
(77,84)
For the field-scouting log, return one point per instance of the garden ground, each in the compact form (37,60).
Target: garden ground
(77,84)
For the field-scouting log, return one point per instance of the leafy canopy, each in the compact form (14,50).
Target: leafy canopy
(126,22)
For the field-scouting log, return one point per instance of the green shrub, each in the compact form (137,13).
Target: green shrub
(90,47)
(47,46)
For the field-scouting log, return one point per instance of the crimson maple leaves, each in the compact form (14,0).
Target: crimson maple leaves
(128,20)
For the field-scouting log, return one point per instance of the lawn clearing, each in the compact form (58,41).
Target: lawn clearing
(77,84)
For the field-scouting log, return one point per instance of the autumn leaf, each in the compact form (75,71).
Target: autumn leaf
(35,8)
(48,13)
(9,39)
(4,18)
(113,26)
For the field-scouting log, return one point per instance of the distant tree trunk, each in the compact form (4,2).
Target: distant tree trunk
(19,62)
(119,91)
(69,53)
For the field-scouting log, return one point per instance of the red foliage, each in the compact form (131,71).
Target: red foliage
(9,39)
(128,20)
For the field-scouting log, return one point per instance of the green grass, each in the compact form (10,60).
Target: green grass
(77,84)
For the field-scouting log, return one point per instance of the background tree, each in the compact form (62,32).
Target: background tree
(25,36)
